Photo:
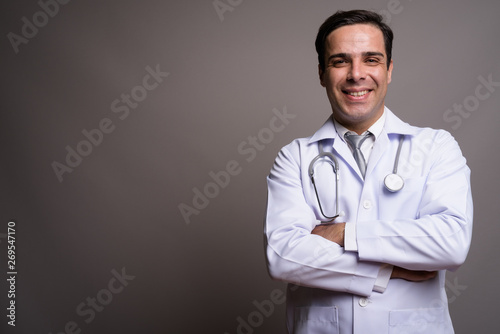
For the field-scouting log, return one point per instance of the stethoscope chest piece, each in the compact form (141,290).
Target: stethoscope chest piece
(393,182)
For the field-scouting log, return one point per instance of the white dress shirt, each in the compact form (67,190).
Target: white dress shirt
(350,244)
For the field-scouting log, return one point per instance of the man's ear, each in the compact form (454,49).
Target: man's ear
(321,74)
(389,75)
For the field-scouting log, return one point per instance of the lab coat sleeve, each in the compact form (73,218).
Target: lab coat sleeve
(294,254)
(439,238)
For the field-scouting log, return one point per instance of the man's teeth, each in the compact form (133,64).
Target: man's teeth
(358,93)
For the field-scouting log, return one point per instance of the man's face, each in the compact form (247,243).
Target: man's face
(356,75)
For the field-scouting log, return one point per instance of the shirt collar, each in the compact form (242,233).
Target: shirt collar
(375,129)
(390,124)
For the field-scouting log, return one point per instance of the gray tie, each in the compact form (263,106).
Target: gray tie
(355,141)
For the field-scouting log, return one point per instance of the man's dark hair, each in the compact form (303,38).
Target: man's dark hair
(344,18)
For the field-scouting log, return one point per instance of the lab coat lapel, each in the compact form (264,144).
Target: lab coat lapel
(379,147)
(345,154)
(393,125)
(328,132)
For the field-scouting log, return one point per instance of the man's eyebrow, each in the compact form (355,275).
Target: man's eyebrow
(373,53)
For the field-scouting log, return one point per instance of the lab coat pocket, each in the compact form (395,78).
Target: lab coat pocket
(316,319)
(418,321)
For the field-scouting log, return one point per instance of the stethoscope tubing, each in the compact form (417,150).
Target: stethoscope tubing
(335,165)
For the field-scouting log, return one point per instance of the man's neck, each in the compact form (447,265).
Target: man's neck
(359,127)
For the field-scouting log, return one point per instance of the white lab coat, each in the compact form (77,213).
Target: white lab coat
(425,226)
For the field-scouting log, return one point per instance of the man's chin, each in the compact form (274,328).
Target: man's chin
(353,118)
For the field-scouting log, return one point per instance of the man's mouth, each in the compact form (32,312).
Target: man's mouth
(363,92)
(357,94)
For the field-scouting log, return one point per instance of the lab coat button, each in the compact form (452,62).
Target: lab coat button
(367,204)
(363,302)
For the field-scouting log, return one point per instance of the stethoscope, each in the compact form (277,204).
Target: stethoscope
(393,182)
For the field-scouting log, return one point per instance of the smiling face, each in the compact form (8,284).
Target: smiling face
(356,75)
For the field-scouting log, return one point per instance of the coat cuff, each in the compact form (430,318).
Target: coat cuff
(384,275)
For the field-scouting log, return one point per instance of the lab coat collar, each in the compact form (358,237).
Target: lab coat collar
(392,125)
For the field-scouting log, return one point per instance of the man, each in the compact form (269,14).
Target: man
(379,266)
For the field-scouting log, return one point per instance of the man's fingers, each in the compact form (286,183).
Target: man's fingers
(331,232)
(413,275)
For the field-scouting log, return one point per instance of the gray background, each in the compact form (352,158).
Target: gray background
(120,207)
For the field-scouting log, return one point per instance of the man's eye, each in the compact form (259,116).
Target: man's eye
(373,61)
(339,62)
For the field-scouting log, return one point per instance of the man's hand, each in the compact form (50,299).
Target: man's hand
(332,232)
(412,275)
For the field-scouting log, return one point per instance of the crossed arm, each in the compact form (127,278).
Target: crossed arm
(335,233)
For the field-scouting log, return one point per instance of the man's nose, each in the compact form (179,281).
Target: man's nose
(356,71)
